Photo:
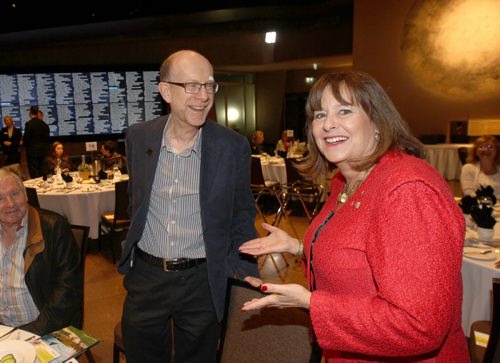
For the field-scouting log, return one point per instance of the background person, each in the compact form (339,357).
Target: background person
(36,141)
(282,144)
(56,159)
(10,140)
(110,157)
(42,280)
(257,144)
(190,199)
(482,167)
(383,257)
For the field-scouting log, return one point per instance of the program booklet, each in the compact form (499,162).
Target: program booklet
(63,344)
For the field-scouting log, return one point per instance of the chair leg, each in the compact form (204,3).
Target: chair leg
(116,354)
(112,246)
(99,238)
(89,356)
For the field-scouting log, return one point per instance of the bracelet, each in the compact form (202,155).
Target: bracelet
(300,250)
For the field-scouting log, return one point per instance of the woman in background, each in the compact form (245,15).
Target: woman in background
(384,255)
(482,167)
(56,160)
(10,140)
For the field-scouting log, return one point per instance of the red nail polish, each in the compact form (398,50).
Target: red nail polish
(243,311)
(263,288)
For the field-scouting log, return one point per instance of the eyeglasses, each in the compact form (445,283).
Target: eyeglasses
(486,146)
(193,87)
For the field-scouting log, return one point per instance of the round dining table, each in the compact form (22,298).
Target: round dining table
(478,270)
(82,204)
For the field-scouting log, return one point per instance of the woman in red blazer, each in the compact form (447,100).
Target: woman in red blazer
(383,257)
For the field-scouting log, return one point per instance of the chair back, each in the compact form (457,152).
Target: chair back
(463,152)
(266,335)
(32,197)
(121,201)
(81,234)
(256,176)
(492,353)
(292,174)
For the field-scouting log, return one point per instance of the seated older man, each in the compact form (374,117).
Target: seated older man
(41,280)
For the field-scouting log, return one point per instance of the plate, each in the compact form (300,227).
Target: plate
(22,351)
(495,242)
(473,253)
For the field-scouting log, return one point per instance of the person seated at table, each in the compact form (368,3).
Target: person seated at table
(282,144)
(259,145)
(111,158)
(42,279)
(56,160)
(482,167)
(257,142)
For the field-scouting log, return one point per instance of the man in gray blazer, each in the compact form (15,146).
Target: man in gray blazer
(191,208)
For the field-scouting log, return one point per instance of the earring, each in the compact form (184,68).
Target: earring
(377,136)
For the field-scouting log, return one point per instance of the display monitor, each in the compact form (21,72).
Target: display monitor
(82,103)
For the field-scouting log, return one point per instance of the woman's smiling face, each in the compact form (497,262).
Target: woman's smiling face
(343,132)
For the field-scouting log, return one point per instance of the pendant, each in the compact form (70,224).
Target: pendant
(343,197)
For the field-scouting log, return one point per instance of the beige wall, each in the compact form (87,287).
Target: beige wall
(377,49)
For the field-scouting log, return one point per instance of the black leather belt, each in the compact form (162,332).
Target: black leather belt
(178,264)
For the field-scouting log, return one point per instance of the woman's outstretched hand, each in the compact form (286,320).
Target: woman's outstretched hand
(280,296)
(277,241)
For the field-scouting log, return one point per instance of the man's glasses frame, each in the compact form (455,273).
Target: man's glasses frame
(194,87)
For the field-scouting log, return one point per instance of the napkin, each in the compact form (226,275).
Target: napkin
(466,203)
(102,174)
(487,191)
(66,177)
(482,216)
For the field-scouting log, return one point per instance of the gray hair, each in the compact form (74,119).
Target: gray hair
(7,172)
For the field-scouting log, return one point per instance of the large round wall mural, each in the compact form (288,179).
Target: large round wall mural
(452,47)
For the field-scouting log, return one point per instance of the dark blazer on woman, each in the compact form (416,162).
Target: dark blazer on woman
(12,153)
(227,206)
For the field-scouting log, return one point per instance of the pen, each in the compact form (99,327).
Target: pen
(8,333)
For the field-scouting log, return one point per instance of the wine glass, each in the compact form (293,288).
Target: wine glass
(110,175)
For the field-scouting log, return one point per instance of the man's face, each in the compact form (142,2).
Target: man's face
(189,109)
(13,202)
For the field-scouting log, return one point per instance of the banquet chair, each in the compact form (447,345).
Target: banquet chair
(81,236)
(463,152)
(490,353)
(261,187)
(118,343)
(307,192)
(32,197)
(265,335)
(114,222)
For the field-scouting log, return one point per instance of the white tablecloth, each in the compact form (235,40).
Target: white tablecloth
(82,205)
(444,158)
(274,169)
(477,283)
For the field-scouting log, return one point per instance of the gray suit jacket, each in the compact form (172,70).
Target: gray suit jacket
(227,206)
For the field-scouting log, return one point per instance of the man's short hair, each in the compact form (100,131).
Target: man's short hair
(34,110)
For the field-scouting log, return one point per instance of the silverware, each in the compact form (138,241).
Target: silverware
(5,335)
(483,252)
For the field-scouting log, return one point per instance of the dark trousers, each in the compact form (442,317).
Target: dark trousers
(154,299)
(34,165)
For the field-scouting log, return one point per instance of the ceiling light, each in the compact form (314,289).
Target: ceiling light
(315,66)
(309,80)
(270,37)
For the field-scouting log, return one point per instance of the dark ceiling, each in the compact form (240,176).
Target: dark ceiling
(22,15)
